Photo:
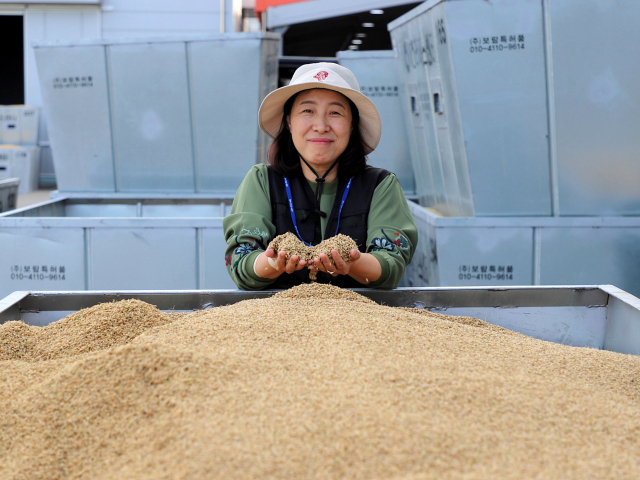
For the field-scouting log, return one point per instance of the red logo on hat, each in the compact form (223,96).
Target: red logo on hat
(321,76)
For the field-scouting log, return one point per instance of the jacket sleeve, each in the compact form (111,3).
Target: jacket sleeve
(248,229)
(392,235)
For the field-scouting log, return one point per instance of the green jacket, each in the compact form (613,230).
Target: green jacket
(392,233)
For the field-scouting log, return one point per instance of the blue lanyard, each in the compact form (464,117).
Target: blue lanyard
(293,213)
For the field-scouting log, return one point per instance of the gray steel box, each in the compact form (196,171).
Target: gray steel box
(523,107)
(484,154)
(602,317)
(174,114)
(507,251)
(378,78)
(596,105)
(131,243)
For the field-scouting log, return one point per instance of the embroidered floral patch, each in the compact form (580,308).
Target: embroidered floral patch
(382,244)
(399,240)
(389,243)
(244,248)
(256,233)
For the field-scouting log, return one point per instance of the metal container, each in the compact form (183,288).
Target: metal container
(134,243)
(378,78)
(602,317)
(174,114)
(595,117)
(520,109)
(8,193)
(507,251)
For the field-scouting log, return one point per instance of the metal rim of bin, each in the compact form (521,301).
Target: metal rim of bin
(598,316)
(437,298)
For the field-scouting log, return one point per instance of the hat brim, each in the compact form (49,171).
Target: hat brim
(272,110)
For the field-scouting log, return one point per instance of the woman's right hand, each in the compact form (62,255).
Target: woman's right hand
(272,265)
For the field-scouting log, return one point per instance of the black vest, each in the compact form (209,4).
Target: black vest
(353,221)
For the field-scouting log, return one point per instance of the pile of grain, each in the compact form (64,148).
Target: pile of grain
(89,330)
(315,382)
(313,292)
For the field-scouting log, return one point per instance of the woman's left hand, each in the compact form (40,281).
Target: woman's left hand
(334,265)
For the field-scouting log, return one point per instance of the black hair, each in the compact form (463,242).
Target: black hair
(285,159)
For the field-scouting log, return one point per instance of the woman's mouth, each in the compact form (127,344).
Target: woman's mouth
(320,141)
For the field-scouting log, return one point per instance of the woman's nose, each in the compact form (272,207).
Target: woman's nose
(320,124)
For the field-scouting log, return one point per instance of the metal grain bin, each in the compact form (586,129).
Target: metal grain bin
(596,105)
(8,193)
(174,114)
(602,317)
(523,107)
(378,78)
(131,243)
(507,251)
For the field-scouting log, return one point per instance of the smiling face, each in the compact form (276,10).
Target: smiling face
(320,125)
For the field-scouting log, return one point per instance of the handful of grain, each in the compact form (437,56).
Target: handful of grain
(294,246)
(342,243)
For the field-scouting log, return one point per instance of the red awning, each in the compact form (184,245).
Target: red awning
(262,5)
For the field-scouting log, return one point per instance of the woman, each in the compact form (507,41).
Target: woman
(318,185)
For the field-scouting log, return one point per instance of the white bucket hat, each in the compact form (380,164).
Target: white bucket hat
(322,75)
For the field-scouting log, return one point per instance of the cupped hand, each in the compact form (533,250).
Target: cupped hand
(279,261)
(334,265)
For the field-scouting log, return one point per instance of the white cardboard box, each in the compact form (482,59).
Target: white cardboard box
(9,194)
(6,162)
(19,124)
(21,161)
(9,128)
